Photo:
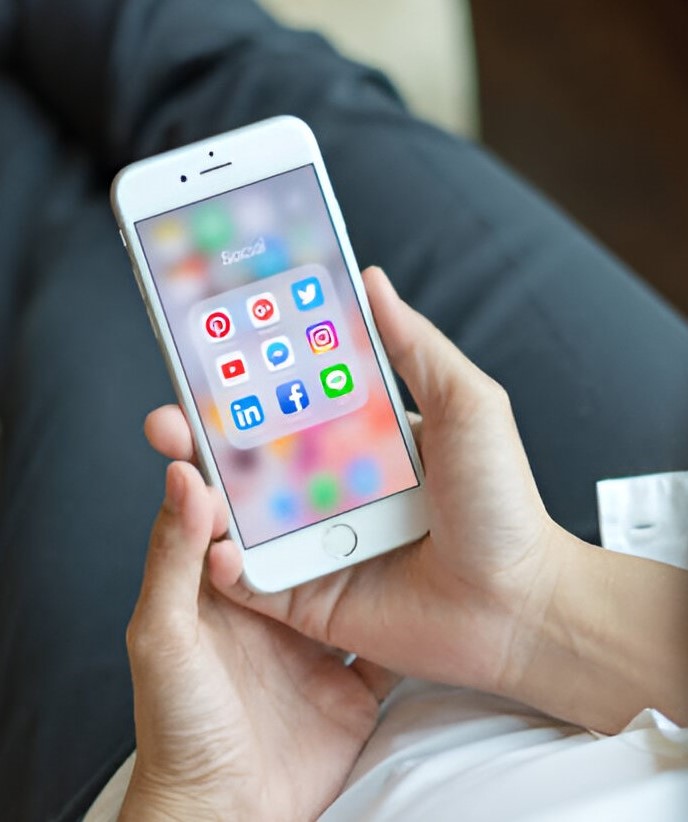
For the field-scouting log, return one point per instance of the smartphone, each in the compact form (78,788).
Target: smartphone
(243,261)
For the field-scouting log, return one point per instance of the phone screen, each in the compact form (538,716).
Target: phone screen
(269,332)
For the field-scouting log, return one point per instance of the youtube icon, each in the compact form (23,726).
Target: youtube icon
(232,368)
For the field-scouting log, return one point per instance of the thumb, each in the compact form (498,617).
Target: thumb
(436,373)
(178,544)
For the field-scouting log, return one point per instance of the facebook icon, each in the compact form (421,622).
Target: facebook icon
(292,397)
(247,412)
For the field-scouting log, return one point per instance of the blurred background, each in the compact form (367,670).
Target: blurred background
(588,100)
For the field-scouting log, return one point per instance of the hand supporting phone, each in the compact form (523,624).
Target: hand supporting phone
(253,291)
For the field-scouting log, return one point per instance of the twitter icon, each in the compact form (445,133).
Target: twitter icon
(307,294)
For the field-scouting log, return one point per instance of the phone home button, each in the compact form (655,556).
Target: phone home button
(340,541)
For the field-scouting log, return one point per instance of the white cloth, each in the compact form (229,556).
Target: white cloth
(443,753)
(646,516)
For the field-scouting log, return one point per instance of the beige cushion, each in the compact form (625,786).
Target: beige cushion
(424,46)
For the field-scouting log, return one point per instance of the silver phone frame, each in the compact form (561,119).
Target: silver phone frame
(153,186)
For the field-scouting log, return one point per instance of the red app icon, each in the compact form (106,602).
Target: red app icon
(262,310)
(232,368)
(218,325)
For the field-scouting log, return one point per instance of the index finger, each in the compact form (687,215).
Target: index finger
(168,432)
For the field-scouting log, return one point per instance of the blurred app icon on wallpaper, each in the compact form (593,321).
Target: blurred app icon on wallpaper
(171,240)
(212,229)
(323,491)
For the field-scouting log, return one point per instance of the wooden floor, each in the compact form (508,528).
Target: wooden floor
(590,101)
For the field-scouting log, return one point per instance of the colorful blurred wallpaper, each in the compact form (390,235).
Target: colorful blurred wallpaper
(268,329)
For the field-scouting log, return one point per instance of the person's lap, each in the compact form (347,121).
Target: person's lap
(595,365)
(79,485)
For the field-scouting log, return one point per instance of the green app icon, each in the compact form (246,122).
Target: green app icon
(212,229)
(336,380)
(323,492)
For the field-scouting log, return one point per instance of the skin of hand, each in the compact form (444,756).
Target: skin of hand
(497,596)
(447,608)
(236,715)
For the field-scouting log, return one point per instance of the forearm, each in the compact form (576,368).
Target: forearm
(613,640)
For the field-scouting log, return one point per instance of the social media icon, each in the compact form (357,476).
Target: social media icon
(292,397)
(278,353)
(232,368)
(263,310)
(218,325)
(247,412)
(322,337)
(336,381)
(307,294)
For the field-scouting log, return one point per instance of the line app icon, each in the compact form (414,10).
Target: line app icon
(336,380)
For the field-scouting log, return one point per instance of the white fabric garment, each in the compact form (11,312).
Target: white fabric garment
(442,753)
(646,516)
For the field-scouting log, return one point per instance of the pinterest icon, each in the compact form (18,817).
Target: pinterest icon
(218,325)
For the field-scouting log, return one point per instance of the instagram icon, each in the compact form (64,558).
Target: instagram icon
(322,337)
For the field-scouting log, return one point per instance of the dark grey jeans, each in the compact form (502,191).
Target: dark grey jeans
(596,365)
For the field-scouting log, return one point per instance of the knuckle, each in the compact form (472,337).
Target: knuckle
(486,399)
(178,631)
(499,395)
(138,640)
(149,639)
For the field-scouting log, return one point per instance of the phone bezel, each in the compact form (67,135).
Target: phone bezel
(244,156)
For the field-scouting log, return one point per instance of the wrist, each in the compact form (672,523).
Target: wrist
(545,655)
(157,800)
(610,641)
(532,614)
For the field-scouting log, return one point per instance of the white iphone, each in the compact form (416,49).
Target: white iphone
(253,291)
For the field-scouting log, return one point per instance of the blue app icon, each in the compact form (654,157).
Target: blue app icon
(247,412)
(363,476)
(307,294)
(278,353)
(284,506)
(292,397)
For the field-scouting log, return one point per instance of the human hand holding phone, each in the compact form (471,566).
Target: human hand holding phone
(236,715)
(497,596)
(448,607)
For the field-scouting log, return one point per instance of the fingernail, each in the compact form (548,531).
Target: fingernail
(174,490)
